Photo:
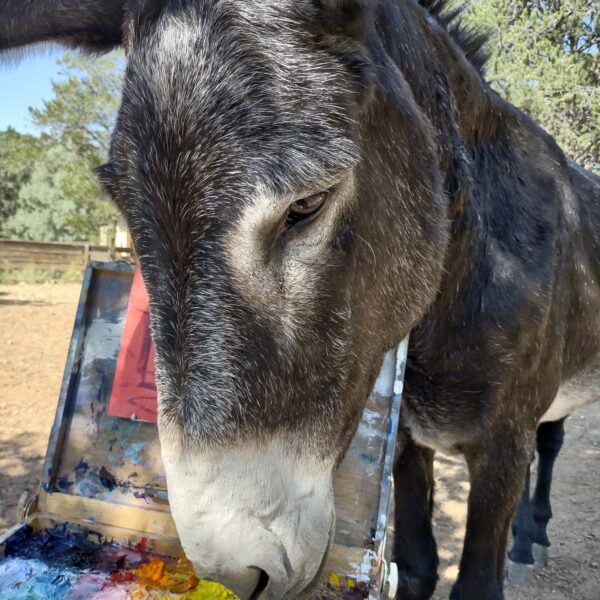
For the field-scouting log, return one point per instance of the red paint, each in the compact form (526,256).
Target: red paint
(134,386)
(122,576)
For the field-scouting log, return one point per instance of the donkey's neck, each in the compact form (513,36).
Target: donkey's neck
(462,109)
(449,90)
(452,62)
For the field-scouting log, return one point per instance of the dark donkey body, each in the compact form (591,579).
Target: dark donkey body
(517,317)
(272,302)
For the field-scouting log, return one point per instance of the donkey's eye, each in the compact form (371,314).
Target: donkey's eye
(303,210)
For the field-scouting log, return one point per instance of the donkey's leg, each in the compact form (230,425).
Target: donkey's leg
(550,437)
(520,565)
(414,549)
(500,552)
(521,527)
(495,469)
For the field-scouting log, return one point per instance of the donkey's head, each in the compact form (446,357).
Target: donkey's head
(283,196)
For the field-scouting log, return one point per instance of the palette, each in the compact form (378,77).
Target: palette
(104,484)
(64,561)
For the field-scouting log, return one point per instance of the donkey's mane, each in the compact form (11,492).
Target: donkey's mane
(472,41)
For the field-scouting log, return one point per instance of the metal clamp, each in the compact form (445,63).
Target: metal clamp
(27,502)
(389,580)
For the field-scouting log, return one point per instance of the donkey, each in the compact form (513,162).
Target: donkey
(306,181)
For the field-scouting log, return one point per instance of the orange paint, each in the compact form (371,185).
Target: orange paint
(177,578)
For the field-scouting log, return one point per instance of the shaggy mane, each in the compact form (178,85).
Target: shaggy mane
(472,41)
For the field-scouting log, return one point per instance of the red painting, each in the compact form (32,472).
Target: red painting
(134,387)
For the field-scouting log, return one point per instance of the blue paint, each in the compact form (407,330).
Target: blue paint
(81,466)
(67,548)
(96,482)
(32,579)
(142,496)
(64,483)
(134,452)
(368,458)
(89,488)
(53,564)
(107,479)
(162,495)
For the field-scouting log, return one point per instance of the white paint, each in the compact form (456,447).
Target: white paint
(102,339)
(384,384)
(366,427)
(253,507)
(401,357)
(364,570)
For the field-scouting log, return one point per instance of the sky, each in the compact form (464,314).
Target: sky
(26,83)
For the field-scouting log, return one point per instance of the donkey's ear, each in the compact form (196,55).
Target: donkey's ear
(107,176)
(348,17)
(94,25)
(343,27)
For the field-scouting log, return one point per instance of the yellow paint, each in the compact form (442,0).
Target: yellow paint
(334,580)
(209,590)
(138,594)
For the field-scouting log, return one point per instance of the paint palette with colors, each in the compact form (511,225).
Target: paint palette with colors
(103,491)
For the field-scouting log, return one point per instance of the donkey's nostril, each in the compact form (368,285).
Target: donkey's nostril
(263,582)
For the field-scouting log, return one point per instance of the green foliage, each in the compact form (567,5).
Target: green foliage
(31,274)
(18,154)
(85,103)
(546,60)
(56,196)
(61,201)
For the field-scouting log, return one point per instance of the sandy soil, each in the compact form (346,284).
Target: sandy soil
(573,569)
(35,328)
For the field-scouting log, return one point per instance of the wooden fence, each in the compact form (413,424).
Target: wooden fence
(55,256)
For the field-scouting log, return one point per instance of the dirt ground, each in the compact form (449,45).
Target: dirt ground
(35,328)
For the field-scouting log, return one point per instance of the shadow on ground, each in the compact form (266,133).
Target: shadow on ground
(39,303)
(20,470)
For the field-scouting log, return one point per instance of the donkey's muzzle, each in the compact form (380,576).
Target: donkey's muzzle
(257,519)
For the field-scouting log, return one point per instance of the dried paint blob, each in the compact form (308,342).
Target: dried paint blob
(156,573)
(64,564)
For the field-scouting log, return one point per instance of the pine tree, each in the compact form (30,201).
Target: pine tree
(57,197)
(545,59)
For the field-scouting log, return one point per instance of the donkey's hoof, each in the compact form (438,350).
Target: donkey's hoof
(519,574)
(540,555)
